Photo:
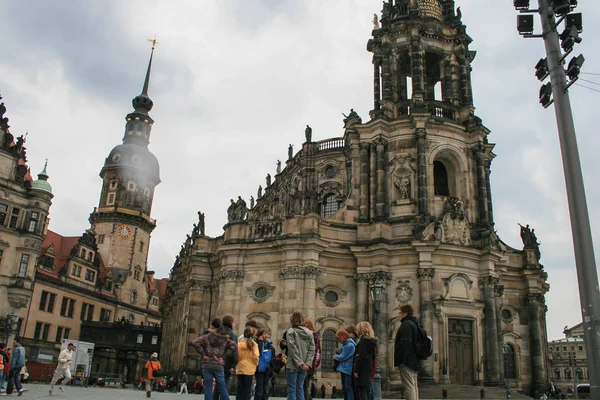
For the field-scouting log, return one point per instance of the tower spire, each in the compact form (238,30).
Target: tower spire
(142,102)
(147,81)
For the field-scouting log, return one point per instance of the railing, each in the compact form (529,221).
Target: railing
(332,144)
(441,111)
(266,229)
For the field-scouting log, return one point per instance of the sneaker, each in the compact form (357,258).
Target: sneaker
(62,388)
(50,391)
(20,392)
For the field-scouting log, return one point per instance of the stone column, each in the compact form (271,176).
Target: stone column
(499,294)
(487,285)
(372,179)
(377,83)
(425,275)
(380,166)
(535,304)
(417,69)
(291,279)
(310,291)
(489,191)
(362,303)
(422,195)
(386,78)
(384,319)
(364,182)
(482,197)
(229,297)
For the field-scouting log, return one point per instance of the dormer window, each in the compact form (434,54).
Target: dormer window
(110,200)
(90,256)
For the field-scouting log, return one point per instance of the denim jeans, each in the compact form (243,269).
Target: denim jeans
(219,377)
(14,379)
(2,378)
(295,383)
(216,394)
(347,387)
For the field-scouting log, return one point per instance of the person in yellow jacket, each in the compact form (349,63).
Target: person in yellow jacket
(247,364)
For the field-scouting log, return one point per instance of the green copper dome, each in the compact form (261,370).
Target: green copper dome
(41,183)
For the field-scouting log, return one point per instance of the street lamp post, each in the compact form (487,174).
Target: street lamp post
(377,294)
(573,364)
(505,350)
(9,324)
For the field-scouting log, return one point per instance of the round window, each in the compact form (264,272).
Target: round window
(330,171)
(116,157)
(506,314)
(331,297)
(261,292)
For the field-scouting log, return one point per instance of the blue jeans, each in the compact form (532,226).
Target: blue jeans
(295,383)
(219,377)
(2,378)
(14,379)
(347,387)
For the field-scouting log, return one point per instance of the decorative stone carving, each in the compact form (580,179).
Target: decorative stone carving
(404,291)
(425,273)
(458,286)
(18,295)
(4,242)
(33,244)
(351,119)
(488,281)
(260,291)
(499,290)
(236,275)
(453,227)
(402,179)
(299,272)
(331,295)
(374,276)
(536,298)
(201,285)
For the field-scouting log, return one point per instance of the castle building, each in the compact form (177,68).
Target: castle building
(402,200)
(96,287)
(24,208)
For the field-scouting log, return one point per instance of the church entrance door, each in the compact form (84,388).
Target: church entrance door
(460,343)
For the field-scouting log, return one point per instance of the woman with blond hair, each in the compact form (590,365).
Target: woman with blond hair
(247,362)
(366,351)
(345,360)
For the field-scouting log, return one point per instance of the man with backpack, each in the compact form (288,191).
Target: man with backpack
(412,344)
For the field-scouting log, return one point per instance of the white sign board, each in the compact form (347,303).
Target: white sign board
(82,356)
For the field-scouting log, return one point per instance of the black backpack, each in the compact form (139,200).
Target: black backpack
(423,347)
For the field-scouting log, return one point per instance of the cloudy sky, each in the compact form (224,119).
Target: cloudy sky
(234,82)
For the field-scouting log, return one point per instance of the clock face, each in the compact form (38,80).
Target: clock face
(124,231)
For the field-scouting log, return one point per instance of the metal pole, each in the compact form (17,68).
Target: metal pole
(377,379)
(585,261)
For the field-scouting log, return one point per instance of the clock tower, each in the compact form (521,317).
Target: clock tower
(122,221)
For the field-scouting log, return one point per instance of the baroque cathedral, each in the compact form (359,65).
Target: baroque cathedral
(401,200)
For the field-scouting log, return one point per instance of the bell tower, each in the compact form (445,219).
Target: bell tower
(122,220)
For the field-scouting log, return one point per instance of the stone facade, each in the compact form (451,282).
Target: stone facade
(404,199)
(568,366)
(24,208)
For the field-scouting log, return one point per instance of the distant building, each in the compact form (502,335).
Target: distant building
(96,287)
(568,360)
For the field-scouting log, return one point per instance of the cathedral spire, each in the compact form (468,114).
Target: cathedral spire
(147,81)
(142,103)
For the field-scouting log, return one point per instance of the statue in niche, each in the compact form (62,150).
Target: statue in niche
(290,152)
(259,192)
(308,134)
(402,185)
(278,167)
(453,228)
(268,180)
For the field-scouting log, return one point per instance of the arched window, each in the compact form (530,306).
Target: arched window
(133,296)
(579,374)
(329,206)
(83,253)
(328,345)
(568,374)
(557,374)
(510,362)
(89,256)
(440,179)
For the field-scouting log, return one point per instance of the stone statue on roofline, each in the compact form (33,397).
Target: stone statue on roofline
(308,134)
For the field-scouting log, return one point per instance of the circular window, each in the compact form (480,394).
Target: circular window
(136,159)
(331,296)
(261,292)
(116,157)
(330,171)
(507,315)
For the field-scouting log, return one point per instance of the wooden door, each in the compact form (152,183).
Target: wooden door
(460,343)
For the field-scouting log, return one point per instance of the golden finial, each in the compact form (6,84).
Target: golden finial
(154,43)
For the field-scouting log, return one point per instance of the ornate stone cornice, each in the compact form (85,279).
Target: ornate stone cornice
(299,272)
(201,285)
(383,276)
(488,281)
(499,290)
(33,244)
(232,275)
(425,274)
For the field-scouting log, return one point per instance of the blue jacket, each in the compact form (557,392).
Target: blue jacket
(346,357)
(17,360)
(266,352)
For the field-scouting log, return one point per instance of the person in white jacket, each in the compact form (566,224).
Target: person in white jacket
(63,369)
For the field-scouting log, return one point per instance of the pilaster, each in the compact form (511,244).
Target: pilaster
(424,276)
(492,376)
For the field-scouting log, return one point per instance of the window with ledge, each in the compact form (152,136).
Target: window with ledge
(140,338)
(154,301)
(82,254)
(41,331)
(23,265)
(154,339)
(90,255)
(104,315)
(76,270)
(47,301)
(110,200)
(440,179)
(131,186)
(67,333)
(3,214)
(328,346)
(87,312)
(510,362)
(329,206)
(90,275)
(47,262)
(101,238)
(557,374)
(133,297)
(112,185)
(67,308)
(33,222)
(14,218)
(59,334)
